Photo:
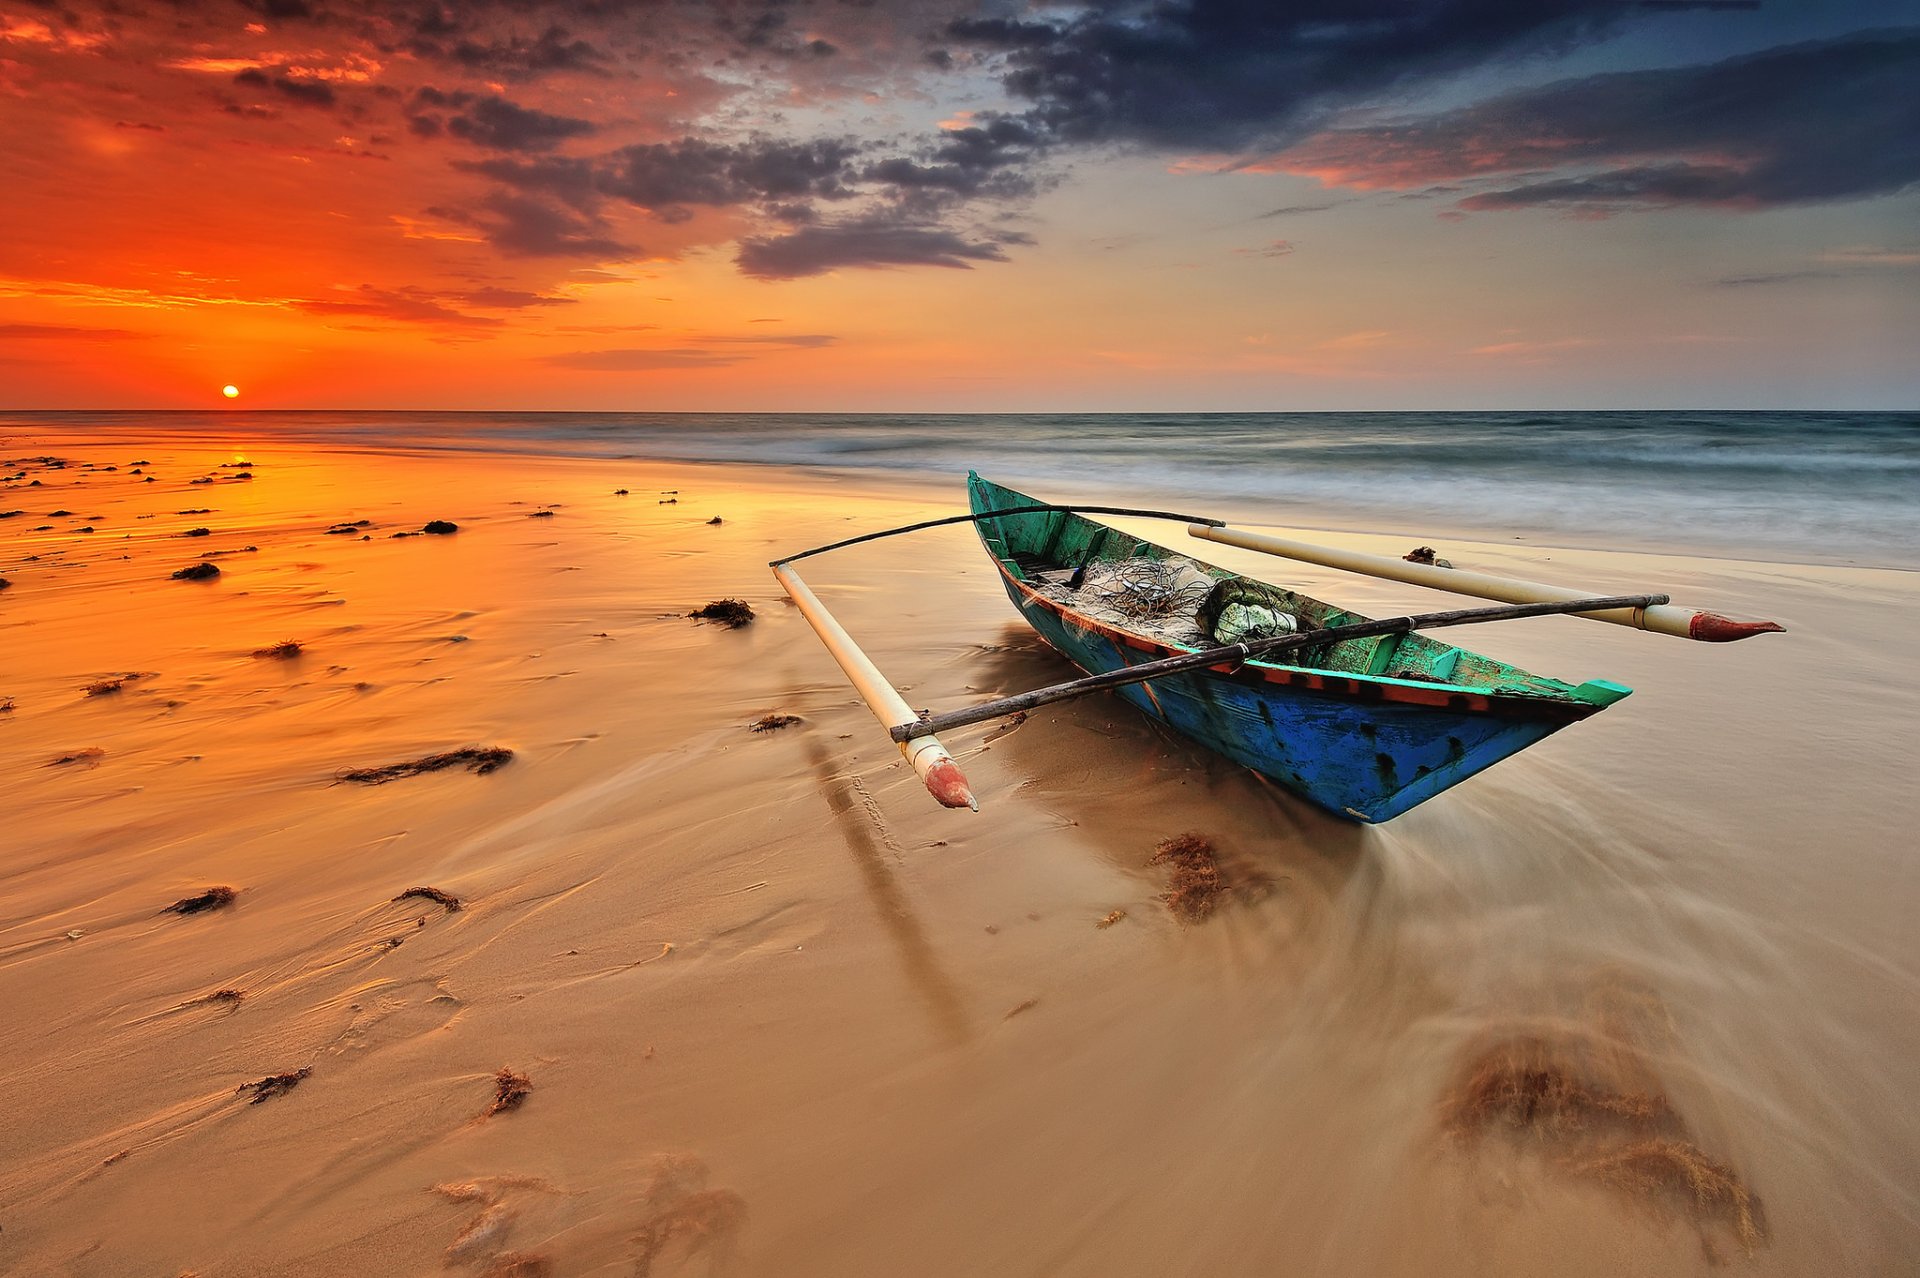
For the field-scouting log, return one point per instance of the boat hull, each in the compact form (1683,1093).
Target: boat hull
(1363,748)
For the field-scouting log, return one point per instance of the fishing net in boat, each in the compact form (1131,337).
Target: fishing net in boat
(1158,598)
(1173,600)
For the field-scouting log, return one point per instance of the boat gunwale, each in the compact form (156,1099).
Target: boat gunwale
(1300,679)
(1438,696)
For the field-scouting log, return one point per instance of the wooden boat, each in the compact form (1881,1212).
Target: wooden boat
(1365,718)
(1366,728)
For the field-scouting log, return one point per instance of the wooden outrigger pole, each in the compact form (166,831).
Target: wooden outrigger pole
(928,758)
(1663,618)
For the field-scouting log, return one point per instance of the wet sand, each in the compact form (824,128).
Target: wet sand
(1638,1001)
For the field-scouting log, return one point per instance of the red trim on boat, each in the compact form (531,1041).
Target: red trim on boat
(1333,683)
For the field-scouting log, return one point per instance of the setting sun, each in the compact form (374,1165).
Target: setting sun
(231,392)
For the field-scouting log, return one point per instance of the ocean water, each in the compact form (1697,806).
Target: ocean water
(1815,486)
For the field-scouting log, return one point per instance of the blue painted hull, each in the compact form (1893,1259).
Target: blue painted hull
(1363,746)
(1366,761)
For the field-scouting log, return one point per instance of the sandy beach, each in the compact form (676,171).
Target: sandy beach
(778,1014)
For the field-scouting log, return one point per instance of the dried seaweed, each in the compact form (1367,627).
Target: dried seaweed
(284,649)
(477,759)
(201,571)
(214,898)
(1597,1113)
(708,1219)
(509,1090)
(1525,1085)
(89,755)
(275,1084)
(228,995)
(731,613)
(1675,1174)
(440,527)
(445,899)
(1113,916)
(716,520)
(774,722)
(1194,890)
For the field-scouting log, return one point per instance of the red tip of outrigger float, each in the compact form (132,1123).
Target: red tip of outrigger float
(948,784)
(1711,627)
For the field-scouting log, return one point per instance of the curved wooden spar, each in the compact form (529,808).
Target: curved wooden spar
(1666,619)
(929,759)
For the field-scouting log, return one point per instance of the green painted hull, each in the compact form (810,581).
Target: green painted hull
(1366,728)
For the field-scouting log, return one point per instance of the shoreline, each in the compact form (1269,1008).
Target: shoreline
(1262,514)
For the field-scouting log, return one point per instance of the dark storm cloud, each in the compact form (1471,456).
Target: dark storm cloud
(970,162)
(1229,74)
(313,93)
(1827,120)
(664,176)
(527,226)
(518,58)
(500,125)
(814,250)
(570,179)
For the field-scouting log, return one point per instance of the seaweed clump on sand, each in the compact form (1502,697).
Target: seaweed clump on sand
(773,723)
(440,527)
(285,649)
(202,571)
(1600,1116)
(275,1084)
(446,900)
(509,1091)
(731,613)
(687,1217)
(214,898)
(1194,890)
(476,759)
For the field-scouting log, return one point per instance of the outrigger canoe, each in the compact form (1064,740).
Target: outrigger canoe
(1366,719)
(1366,728)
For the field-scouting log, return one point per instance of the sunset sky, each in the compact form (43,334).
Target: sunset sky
(952,205)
